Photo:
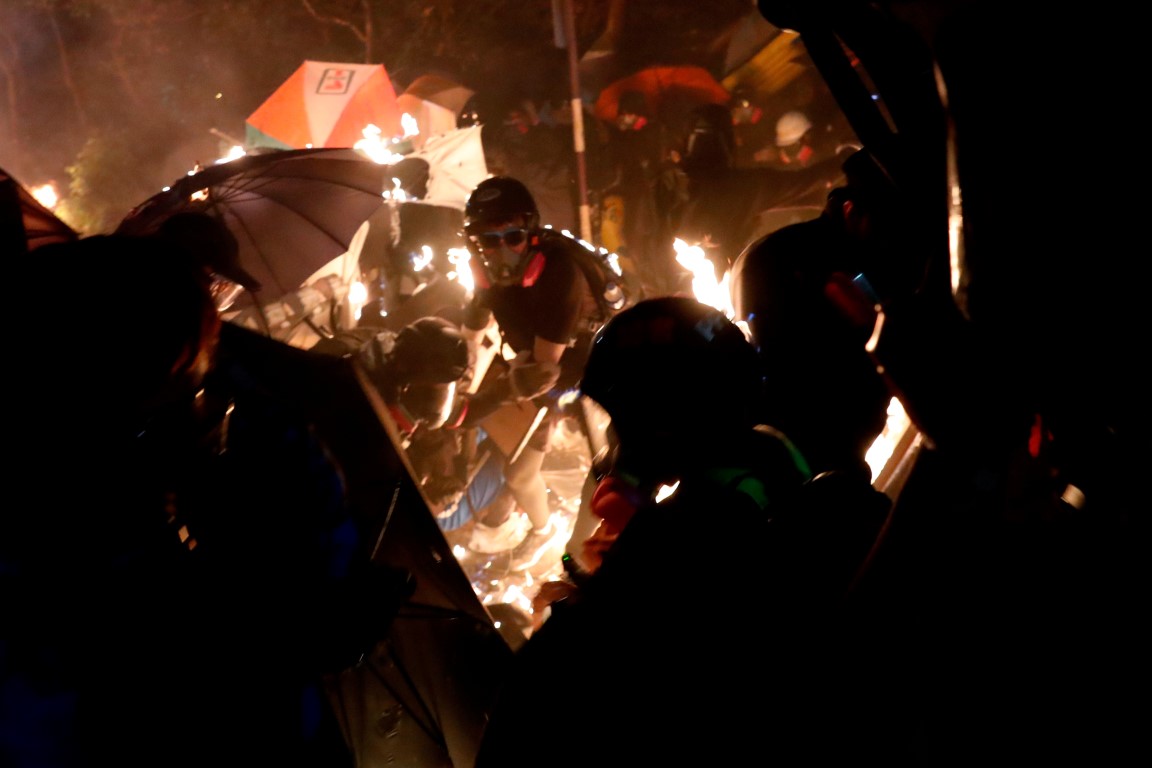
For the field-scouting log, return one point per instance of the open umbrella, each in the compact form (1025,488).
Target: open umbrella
(669,92)
(456,164)
(292,211)
(421,695)
(325,104)
(435,102)
(438,90)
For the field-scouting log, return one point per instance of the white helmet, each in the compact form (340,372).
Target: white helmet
(791,127)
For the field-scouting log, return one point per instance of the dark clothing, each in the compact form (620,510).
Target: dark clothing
(634,163)
(558,306)
(670,667)
(180,594)
(822,390)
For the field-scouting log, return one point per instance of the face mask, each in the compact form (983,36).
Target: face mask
(506,263)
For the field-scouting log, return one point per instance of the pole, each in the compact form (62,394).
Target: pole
(577,119)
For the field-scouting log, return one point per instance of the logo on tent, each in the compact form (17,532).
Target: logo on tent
(335,81)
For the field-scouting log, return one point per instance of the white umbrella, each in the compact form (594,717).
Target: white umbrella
(456,165)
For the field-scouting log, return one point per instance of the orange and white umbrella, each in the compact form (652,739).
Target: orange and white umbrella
(326,104)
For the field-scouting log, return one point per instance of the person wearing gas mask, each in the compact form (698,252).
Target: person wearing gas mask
(546,299)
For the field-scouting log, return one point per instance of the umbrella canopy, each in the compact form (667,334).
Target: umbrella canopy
(765,73)
(422,694)
(438,90)
(26,224)
(435,102)
(456,165)
(292,211)
(325,104)
(748,37)
(669,92)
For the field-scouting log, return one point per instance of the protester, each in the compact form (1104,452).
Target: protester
(832,402)
(720,206)
(653,637)
(753,131)
(189,533)
(417,372)
(628,179)
(547,298)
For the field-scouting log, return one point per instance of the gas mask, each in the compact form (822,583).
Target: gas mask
(497,251)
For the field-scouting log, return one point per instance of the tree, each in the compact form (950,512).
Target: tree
(101,193)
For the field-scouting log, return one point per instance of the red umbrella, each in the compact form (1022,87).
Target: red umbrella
(669,91)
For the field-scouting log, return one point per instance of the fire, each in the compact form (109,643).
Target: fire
(357,295)
(882,448)
(461,272)
(397,193)
(423,260)
(408,123)
(377,149)
(234,153)
(46,195)
(705,286)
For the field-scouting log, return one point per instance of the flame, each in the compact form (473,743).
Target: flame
(461,272)
(374,146)
(357,294)
(397,192)
(234,153)
(423,260)
(665,491)
(705,286)
(408,123)
(885,443)
(46,195)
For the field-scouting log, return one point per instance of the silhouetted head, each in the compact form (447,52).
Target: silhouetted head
(428,359)
(140,325)
(673,369)
(214,247)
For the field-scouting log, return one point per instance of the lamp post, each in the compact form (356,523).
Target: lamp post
(564,24)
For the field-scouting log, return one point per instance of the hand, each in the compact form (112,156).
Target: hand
(549,594)
(530,379)
(594,547)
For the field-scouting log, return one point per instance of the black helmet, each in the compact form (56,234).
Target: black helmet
(499,199)
(430,350)
(428,358)
(663,360)
(496,201)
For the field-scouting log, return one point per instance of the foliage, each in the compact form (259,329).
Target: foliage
(102,191)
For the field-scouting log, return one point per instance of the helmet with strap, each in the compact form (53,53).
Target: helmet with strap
(499,217)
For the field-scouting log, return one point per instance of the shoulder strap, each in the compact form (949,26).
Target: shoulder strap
(610,286)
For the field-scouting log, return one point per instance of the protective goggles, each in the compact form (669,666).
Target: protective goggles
(513,237)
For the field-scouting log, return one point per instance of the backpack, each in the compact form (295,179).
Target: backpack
(611,286)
